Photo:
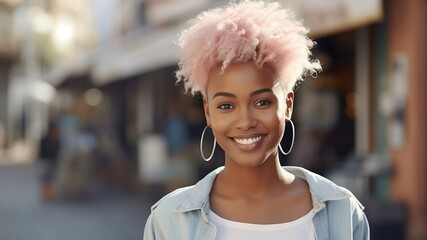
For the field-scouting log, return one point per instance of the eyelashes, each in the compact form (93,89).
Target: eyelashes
(262,103)
(225,106)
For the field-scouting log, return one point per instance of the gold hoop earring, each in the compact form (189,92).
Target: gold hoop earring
(201,146)
(293,140)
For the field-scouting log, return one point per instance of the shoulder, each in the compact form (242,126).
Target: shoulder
(350,204)
(347,215)
(169,211)
(172,200)
(187,198)
(161,220)
(321,188)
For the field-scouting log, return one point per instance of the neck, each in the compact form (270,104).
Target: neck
(259,179)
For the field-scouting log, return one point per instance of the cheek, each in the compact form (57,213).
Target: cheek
(220,124)
(220,129)
(272,117)
(219,120)
(276,124)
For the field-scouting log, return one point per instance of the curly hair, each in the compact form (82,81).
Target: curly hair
(257,31)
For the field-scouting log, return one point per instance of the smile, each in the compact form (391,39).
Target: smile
(247,141)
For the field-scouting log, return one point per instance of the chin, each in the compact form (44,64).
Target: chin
(249,160)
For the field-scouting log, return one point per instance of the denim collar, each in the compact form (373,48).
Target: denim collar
(321,189)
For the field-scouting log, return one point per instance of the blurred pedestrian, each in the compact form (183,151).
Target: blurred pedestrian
(75,166)
(48,154)
(2,138)
(176,129)
(245,60)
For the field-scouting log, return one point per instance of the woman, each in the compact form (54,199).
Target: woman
(245,60)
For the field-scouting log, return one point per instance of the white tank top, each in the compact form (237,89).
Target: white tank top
(299,229)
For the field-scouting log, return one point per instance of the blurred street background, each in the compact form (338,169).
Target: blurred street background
(94,130)
(108,214)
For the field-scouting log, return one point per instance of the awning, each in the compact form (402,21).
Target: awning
(143,53)
(325,17)
(150,50)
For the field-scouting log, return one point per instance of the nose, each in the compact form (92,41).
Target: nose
(245,120)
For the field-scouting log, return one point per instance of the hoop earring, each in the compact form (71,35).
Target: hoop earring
(293,139)
(201,146)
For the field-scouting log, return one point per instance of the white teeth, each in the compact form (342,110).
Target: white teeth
(247,141)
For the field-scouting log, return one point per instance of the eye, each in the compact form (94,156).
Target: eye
(225,106)
(263,102)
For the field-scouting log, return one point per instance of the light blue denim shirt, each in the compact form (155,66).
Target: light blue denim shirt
(183,214)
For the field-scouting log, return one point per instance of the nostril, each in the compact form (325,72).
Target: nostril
(246,123)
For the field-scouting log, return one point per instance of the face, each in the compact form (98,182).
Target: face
(247,112)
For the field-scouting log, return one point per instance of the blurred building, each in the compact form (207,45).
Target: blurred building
(110,64)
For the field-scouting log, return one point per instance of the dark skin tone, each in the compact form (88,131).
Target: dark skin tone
(247,111)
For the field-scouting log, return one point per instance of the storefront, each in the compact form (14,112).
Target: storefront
(406,83)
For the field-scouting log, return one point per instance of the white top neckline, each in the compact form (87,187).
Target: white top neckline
(261,227)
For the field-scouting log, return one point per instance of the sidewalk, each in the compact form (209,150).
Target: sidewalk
(108,214)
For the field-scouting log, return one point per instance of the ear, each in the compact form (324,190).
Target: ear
(206,108)
(289,104)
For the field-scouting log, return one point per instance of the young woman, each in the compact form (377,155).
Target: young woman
(245,60)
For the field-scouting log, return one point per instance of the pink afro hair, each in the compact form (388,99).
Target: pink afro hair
(256,31)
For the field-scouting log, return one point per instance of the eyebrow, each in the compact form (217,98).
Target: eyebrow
(227,94)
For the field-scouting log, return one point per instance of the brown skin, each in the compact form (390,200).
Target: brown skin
(245,103)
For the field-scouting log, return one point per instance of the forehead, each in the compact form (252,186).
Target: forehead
(240,78)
